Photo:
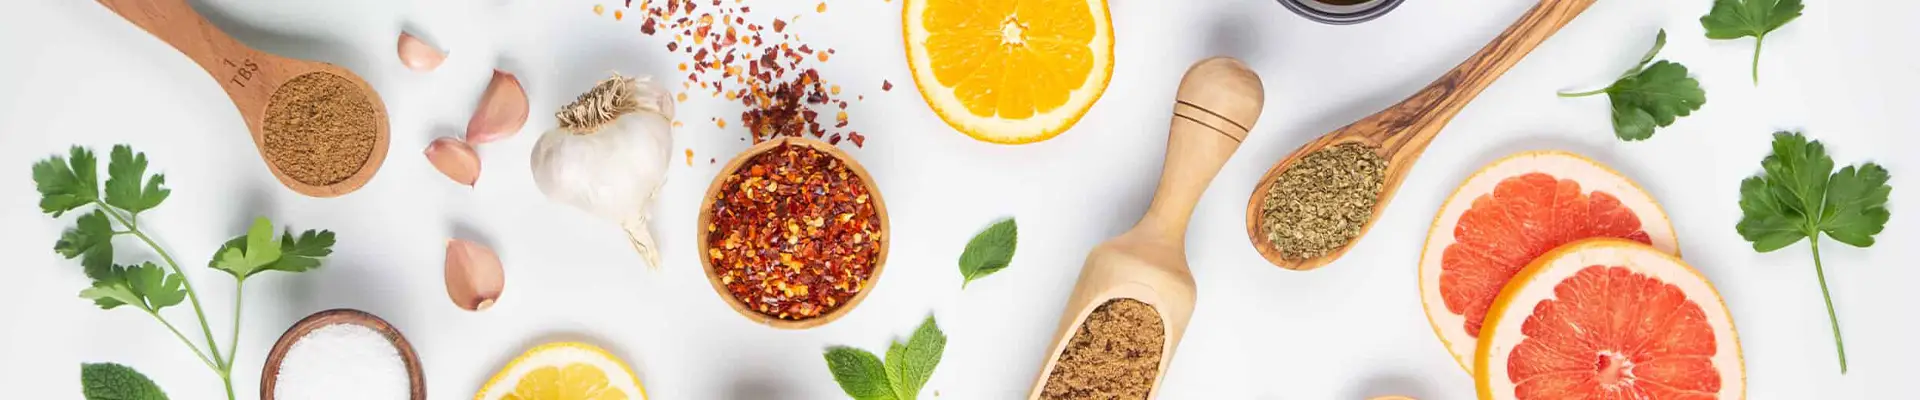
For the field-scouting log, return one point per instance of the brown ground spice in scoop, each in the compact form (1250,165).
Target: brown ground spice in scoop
(1115,355)
(319,128)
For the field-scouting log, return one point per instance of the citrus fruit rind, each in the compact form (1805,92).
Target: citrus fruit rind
(1509,212)
(1609,318)
(1009,71)
(564,371)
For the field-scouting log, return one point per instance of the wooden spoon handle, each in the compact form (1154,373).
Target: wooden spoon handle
(1431,108)
(175,22)
(1218,102)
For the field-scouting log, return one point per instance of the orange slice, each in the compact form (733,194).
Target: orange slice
(1511,211)
(1609,319)
(1009,71)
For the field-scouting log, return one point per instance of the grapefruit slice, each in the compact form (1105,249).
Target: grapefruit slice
(1510,212)
(1609,319)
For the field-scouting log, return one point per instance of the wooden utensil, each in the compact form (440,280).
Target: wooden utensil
(270,374)
(713,195)
(1402,132)
(1219,100)
(250,78)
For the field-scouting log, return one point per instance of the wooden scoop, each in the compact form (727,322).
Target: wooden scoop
(250,78)
(1219,99)
(1402,132)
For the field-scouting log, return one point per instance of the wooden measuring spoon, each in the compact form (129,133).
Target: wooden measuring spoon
(250,78)
(1219,99)
(1402,132)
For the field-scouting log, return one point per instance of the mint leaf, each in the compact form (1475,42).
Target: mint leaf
(66,184)
(108,381)
(922,355)
(1856,205)
(246,255)
(989,251)
(1800,196)
(125,170)
(1652,94)
(859,373)
(1734,19)
(90,239)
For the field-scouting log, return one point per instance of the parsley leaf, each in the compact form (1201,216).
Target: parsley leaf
(90,239)
(245,255)
(109,381)
(66,184)
(146,286)
(989,252)
(906,370)
(1800,196)
(1734,19)
(124,172)
(1652,94)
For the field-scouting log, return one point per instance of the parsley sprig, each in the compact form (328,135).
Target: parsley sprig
(72,183)
(1652,94)
(1734,19)
(1800,196)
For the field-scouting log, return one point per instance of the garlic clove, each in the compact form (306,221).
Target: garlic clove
(474,275)
(455,159)
(503,110)
(417,55)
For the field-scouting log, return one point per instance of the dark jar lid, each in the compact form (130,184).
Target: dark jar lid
(1334,14)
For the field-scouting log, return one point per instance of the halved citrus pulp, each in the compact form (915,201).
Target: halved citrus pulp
(564,371)
(1508,213)
(1609,319)
(1009,71)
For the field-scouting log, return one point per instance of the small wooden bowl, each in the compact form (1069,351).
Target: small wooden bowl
(706,217)
(270,375)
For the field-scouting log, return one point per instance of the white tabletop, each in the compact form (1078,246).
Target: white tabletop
(74,73)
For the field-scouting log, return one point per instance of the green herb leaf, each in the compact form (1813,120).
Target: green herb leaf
(1856,204)
(90,239)
(66,184)
(922,354)
(1734,19)
(108,381)
(146,286)
(1801,196)
(302,253)
(125,171)
(1649,96)
(990,251)
(247,255)
(859,373)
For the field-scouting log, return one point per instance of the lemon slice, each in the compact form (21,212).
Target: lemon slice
(1009,71)
(564,371)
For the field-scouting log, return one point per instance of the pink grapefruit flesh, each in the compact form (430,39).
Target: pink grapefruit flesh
(1512,211)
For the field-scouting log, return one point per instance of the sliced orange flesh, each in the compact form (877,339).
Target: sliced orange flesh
(1009,71)
(1524,217)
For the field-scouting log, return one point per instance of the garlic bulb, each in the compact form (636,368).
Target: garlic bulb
(609,155)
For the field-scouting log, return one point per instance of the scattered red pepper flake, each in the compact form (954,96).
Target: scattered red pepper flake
(599,9)
(794,233)
(886,86)
(821,8)
(689,156)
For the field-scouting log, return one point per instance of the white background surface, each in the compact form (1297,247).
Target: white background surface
(73,73)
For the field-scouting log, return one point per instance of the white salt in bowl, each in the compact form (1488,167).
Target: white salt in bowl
(270,375)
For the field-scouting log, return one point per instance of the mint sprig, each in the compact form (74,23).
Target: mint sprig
(906,370)
(989,252)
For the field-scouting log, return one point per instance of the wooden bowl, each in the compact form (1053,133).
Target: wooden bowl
(270,375)
(706,217)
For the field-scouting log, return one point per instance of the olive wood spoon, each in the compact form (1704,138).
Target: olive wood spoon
(1402,132)
(250,78)
(1219,99)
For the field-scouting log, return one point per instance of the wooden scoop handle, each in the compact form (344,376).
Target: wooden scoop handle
(1218,102)
(175,22)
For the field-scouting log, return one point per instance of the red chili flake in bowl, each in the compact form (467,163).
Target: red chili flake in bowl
(794,233)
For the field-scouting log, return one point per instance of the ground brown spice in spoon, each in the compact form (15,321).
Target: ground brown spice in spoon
(1115,355)
(320,128)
